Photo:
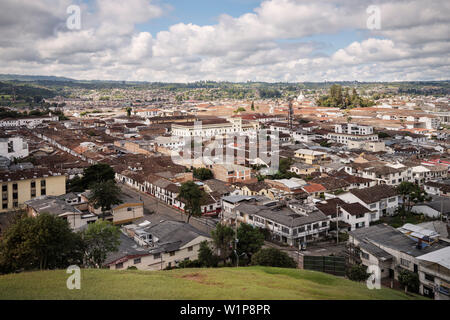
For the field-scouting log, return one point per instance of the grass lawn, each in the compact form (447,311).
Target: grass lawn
(224,283)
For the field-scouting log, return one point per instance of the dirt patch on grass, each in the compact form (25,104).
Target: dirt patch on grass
(200,278)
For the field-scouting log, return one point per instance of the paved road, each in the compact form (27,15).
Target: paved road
(155,211)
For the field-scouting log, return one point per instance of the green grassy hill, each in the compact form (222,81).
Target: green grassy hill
(224,283)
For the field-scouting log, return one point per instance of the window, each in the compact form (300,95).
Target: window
(4,187)
(157,256)
(190,248)
(5,206)
(429,277)
(373,206)
(33,184)
(364,255)
(10,146)
(137,261)
(129,209)
(43,192)
(15,186)
(404,262)
(42,183)
(119,266)
(324,224)
(172,253)
(15,196)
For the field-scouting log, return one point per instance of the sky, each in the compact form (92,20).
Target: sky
(227,40)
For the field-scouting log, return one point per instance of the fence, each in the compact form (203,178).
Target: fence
(333,265)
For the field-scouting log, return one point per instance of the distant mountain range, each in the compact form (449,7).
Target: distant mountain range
(20,77)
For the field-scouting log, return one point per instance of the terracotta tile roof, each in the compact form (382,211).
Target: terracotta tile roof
(314,187)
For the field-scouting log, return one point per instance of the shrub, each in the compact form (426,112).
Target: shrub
(273,258)
(358,273)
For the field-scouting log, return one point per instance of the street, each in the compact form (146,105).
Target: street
(155,211)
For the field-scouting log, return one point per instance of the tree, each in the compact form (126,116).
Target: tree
(253,106)
(128,112)
(100,172)
(191,195)
(104,195)
(411,194)
(206,256)
(100,238)
(75,185)
(44,242)
(250,239)
(223,237)
(358,272)
(409,280)
(273,258)
(203,174)
(383,135)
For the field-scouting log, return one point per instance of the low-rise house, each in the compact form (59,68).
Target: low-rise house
(383,172)
(303,169)
(434,274)
(382,199)
(288,222)
(389,249)
(315,190)
(355,215)
(260,188)
(13,147)
(290,188)
(310,156)
(129,210)
(434,208)
(229,203)
(438,188)
(217,187)
(59,207)
(231,173)
(157,247)
(372,146)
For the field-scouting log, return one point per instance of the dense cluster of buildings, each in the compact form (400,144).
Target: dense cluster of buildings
(332,174)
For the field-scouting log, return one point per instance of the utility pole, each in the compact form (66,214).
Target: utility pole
(236,240)
(337,224)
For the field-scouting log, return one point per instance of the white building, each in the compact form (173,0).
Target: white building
(382,199)
(13,147)
(211,128)
(353,129)
(434,274)
(29,122)
(156,246)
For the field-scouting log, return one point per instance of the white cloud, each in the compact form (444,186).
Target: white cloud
(264,45)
